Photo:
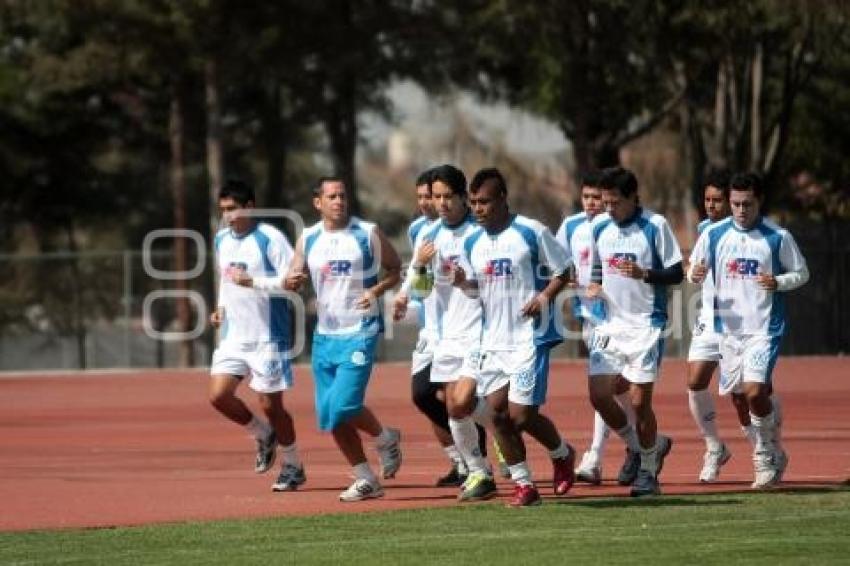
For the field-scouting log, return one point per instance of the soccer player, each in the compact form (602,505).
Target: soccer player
(575,235)
(343,254)
(428,396)
(637,257)
(255,334)
(704,352)
(509,259)
(752,263)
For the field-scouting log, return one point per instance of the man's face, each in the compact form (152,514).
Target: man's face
(424,201)
(619,207)
(716,207)
(449,205)
(233,214)
(332,202)
(591,200)
(745,207)
(488,203)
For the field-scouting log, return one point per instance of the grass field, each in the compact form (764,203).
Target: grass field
(785,527)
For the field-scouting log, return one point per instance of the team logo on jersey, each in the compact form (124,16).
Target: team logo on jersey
(336,268)
(616,261)
(235,267)
(584,257)
(500,267)
(742,268)
(448,264)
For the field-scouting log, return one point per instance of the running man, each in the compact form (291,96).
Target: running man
(575,235)
(342,255)
(252,257)
(704,352)
(509,258)
(637,257)
(752,263)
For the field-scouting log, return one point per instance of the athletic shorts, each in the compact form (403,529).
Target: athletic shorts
(747,359)
(423,353)
(342,366)
(524,371)
(449,360)
(264,362)
(634,353)
(705,344)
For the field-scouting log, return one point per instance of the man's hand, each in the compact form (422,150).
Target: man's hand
(699,272)
(533,307)
(766,281)
(400,306)
(630,269)
(294,281)
(366,301)
(240,277)
(593,291)
(458,276)
(424,253)
(217,317)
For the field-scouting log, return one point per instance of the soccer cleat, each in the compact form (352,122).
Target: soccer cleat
(629,469)
(266,448)
(712,462)
(452,479)
(645,484)
(589,471)
(390,455)
(564,475)
(525,496)
(477,487)
(362,489)
(290,478)
(767,472)
(664,444)
(504,470)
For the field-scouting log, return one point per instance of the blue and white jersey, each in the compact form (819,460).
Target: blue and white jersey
(417,227)
(647,240)
(343,264)
(735,258)
(250,315)
(455,315)
(706,311)
(511,267)
(576,236)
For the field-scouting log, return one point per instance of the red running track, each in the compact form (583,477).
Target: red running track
(132,448)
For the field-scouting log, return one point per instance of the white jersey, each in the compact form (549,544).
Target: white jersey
(647,240)
(454,315)
(511,267)
(425,306)
(576,236)
(706,312)
(735,257)
(250,315)
(343,264)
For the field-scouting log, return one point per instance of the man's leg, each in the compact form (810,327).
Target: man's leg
(292,471)
(461,401)
(425,396)
(222,395)
(701,404)
(768,459)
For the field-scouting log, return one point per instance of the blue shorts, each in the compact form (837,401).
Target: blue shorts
(342,366)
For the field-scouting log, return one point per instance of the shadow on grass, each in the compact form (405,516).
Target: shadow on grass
(661,501)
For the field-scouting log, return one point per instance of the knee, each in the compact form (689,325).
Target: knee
(522,417)
(502,420)
(219,398)
(424,398)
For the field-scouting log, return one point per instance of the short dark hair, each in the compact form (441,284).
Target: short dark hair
(450,176)
(317,188)
(590,178)
(424,178)
(718,178)
(747,182)
(485,175)
(619,178)
(238,190)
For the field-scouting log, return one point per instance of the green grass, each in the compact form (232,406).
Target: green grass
(803,527)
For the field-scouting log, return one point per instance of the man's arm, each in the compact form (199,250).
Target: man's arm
(391,266)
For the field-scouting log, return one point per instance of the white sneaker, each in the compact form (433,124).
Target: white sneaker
(589,471)
(712,462)
(362,489)
(390,455)
(766,471)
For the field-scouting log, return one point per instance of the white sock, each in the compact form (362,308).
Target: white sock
(629,436)
(777,412)
(290,455)
(562,451)
(765,428)
(364,472)
(454,457)
(702,409)
(750,433)
(260,429)
(649,459)
(483,414)
(384,438)
(601,432)
(625,402)
(465,435)
(521,474)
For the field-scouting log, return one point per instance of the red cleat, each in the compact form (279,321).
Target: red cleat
(564,473)
(525,496)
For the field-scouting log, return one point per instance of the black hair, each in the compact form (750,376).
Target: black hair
(590,178)
(619,178)
(487,174)
(718,178)
(451,176)
(317,188)
(747,182)
(424,178)
(240,191)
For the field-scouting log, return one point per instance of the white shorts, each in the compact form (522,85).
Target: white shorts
(264,362)
(423,353)
(449,360)
(705,344)
(634,353)
(525,372)
(747,359)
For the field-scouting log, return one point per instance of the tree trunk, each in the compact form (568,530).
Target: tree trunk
(274,140)
(341,124)
(77,299)
(178,192)
(215,143)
